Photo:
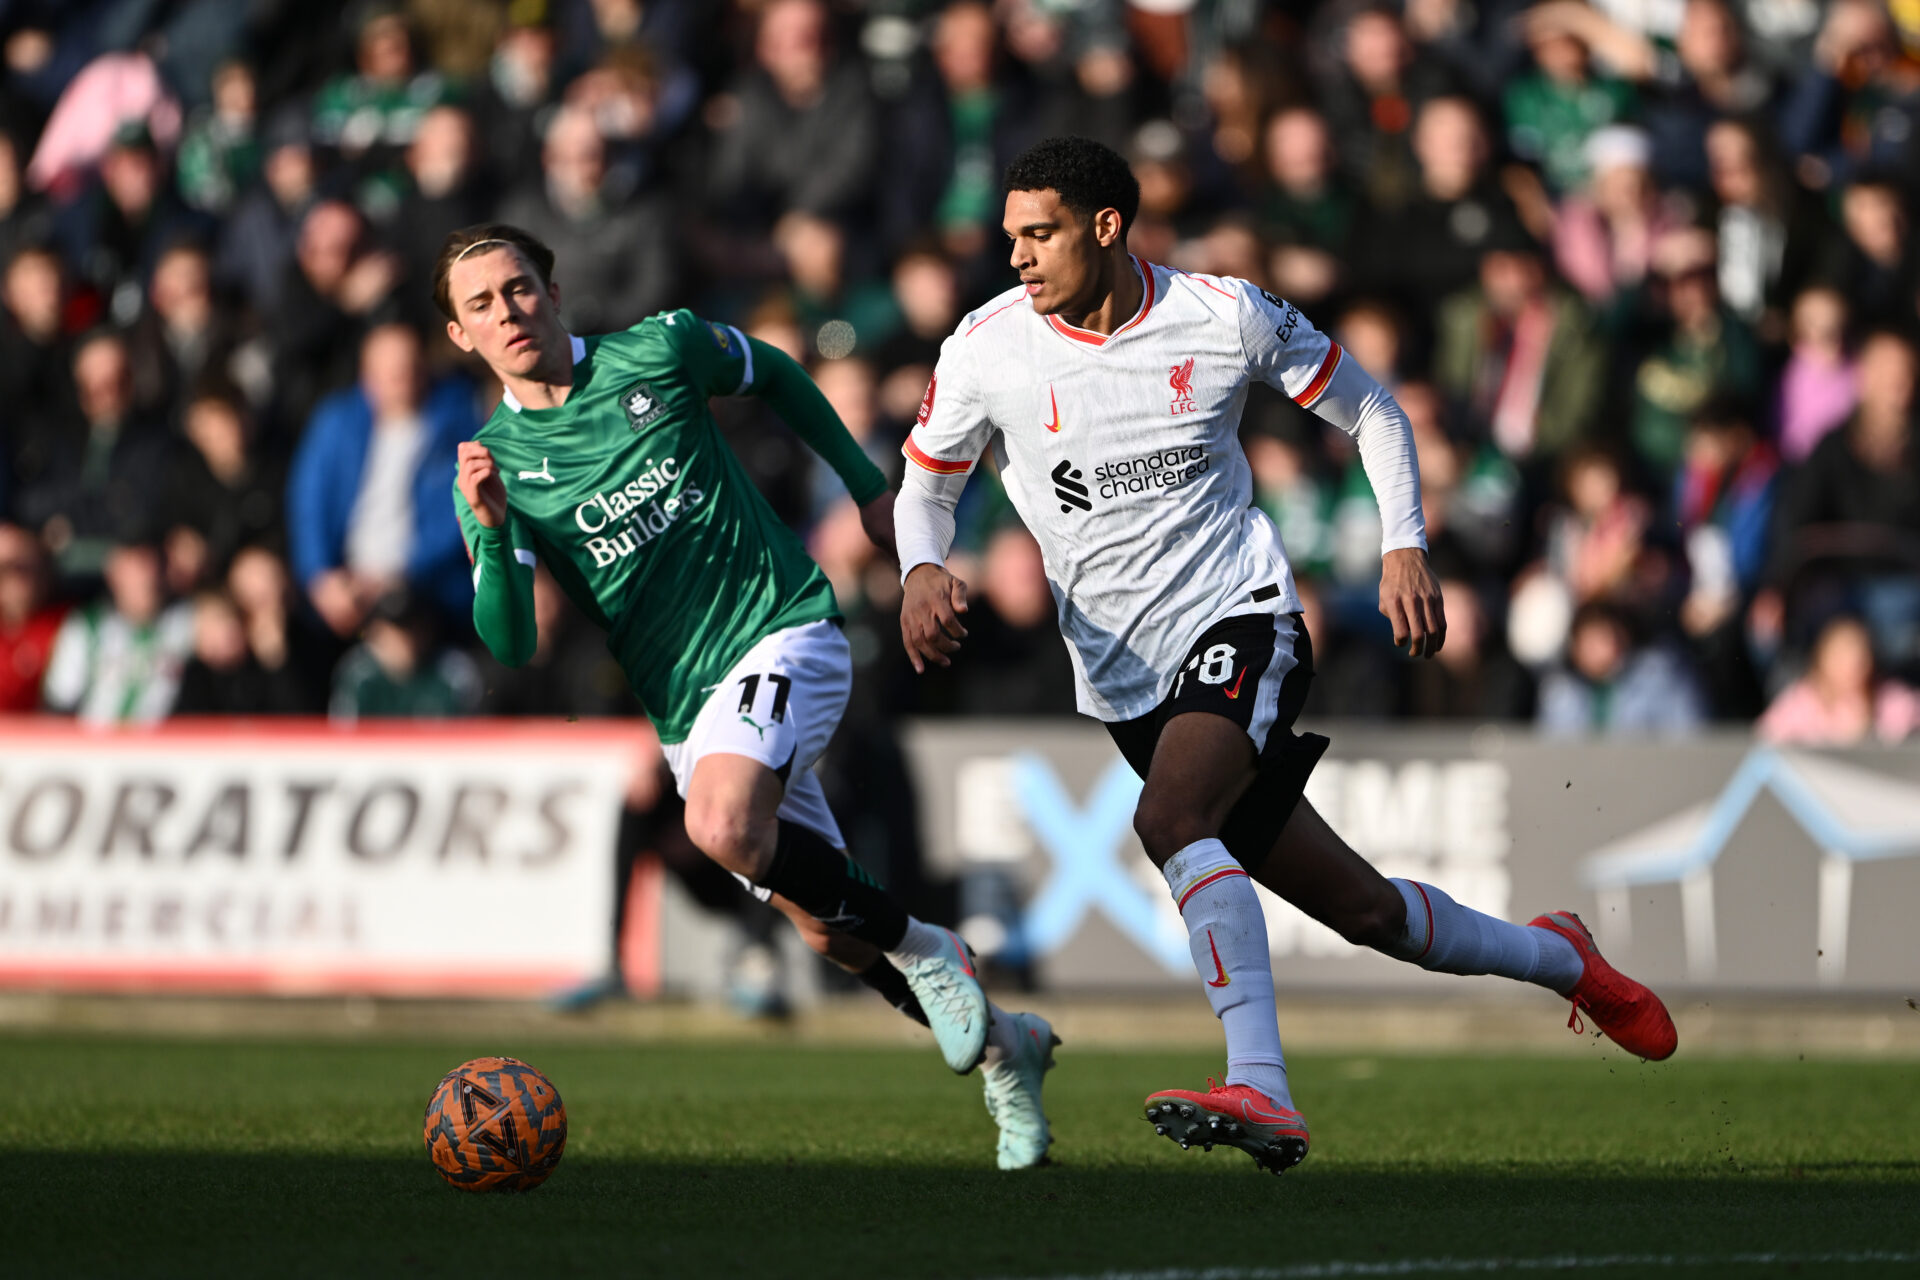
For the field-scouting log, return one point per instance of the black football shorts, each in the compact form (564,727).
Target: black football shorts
(1253,669)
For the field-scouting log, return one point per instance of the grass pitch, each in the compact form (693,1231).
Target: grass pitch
(137,1158)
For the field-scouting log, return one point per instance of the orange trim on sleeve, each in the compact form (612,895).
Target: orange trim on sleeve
(1312,391)
(938,466)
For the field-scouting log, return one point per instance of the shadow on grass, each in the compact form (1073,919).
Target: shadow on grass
(214,1215)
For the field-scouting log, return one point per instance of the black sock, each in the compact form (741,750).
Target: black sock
(893,988)
(833,888)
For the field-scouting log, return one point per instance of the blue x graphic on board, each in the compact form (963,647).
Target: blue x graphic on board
(1083,844)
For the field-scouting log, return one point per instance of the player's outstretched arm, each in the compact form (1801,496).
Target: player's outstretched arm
(502,574)
(1409,591)
(785,386)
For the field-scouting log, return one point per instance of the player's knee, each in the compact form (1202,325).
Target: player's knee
(726,833)
(1165,827)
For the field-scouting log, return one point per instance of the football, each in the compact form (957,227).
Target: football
(495,1124)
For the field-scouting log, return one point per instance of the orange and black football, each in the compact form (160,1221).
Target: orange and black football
(495,1124)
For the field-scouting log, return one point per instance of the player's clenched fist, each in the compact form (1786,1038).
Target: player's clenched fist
(930,616)
(480,484)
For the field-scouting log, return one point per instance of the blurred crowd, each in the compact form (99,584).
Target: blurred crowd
(1642,272)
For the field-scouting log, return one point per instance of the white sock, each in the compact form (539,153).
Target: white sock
(1446,937)
(1227,933)
(1003,1037)
(922,942)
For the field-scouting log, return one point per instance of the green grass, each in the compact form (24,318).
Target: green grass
(208,1159)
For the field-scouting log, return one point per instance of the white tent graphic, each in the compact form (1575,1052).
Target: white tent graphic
(1852,814)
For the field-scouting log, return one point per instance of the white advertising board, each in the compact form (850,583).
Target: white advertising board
(467,857)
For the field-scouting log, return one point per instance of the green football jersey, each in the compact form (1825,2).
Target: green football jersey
(633,500)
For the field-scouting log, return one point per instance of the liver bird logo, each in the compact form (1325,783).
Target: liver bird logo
(1180,378)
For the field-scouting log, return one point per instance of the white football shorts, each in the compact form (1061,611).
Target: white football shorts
(780,705)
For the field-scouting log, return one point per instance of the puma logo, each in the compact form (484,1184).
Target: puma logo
(542,474)
(757,726)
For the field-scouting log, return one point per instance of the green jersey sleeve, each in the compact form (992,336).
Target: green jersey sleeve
(724,362)
(503,561)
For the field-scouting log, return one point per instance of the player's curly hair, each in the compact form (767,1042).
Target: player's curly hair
(1089,177)
(460,243)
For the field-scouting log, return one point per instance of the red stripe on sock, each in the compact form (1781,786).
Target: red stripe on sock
(1426,902)
(1207,880)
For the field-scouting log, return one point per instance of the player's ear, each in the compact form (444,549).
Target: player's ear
(1107,227)
(458,335)
(553,295)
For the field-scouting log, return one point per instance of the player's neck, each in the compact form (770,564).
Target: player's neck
(1117,297)
(550,382)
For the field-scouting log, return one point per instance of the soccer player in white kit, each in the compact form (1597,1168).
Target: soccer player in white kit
(1110,391)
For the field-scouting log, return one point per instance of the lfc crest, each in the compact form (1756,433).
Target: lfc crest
(1181,380)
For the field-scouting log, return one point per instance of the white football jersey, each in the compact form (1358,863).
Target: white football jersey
(1121,453)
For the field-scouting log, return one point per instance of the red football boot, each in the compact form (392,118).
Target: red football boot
(1236,1114)
(1628,1011)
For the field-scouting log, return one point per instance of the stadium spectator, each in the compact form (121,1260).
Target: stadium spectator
(116,229)
(1724,502)
(1605,230)
(102,463)
(1819,383)
(224,675)
(29,620)
(1613,685)
(520,89)
(443,189)
(1371,100)
(1879,269)
(1305,208)
(954,135)
(1596,543)
(371,113)
(1849,109)
(35,359)
(1424,247)
(1774,236)
(281,638)
(799,129)
(1700,349)
(1517,358)
(118,659)
(1850,508)
(256,244)
(400,668)
(220,151)
(926,292)
(116,98)
(1554,109)
(221,494)
(1842,700)
(337,284)
(367,491)
(1474,677)
(183,337)
(837,312)
(617,263)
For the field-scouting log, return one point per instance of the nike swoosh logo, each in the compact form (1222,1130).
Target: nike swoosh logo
(1235,691)
(966,964)
(1053,426)
(1218,968)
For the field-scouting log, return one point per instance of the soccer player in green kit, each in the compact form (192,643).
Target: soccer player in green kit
(604,462)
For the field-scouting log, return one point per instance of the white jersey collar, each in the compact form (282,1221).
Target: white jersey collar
(1092,339)
(579,353)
